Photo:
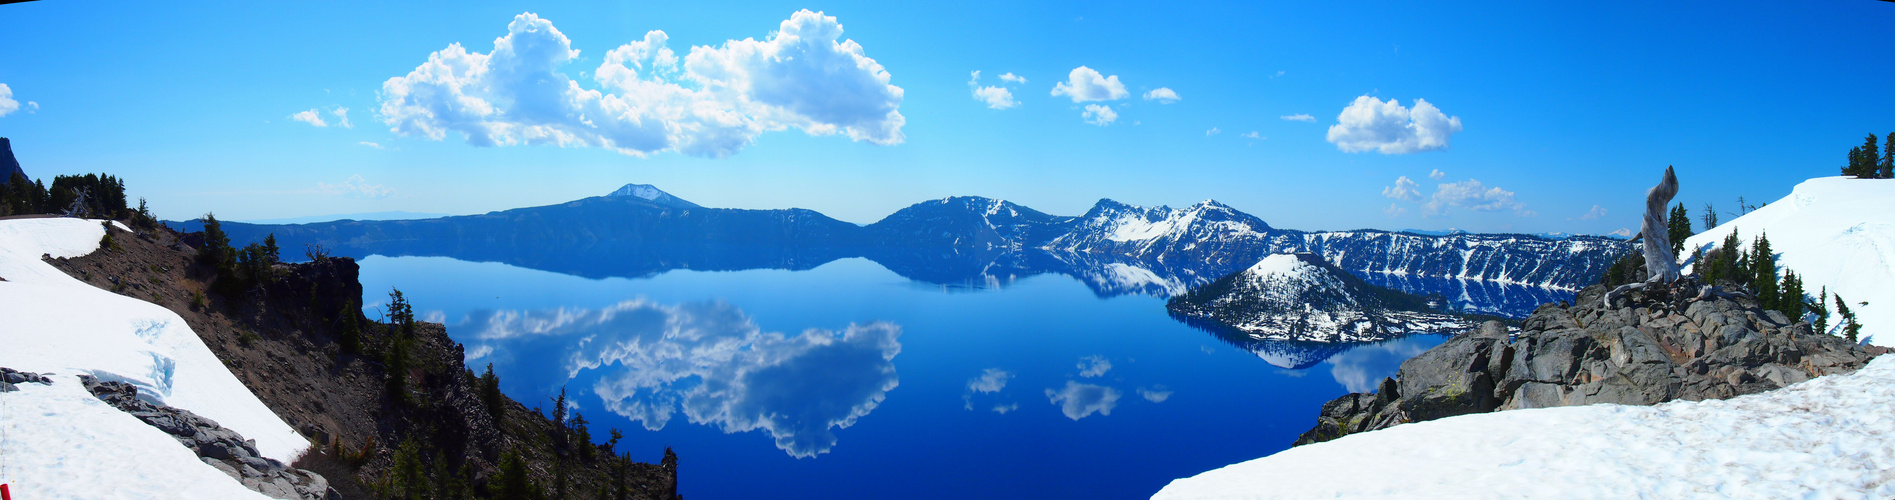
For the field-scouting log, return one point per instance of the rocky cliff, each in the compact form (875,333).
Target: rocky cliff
(8,164)
(382,428)
(1645,349)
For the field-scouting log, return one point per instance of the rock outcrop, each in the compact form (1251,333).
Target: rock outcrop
(222,448)
(8,164)
(1644,349)
(9,376)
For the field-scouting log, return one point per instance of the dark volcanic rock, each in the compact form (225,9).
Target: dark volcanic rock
(219,447)
(8,164)
(1642,352)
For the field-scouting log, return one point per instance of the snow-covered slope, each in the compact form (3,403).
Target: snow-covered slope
(53,323)
(1829,437)
(1835,232)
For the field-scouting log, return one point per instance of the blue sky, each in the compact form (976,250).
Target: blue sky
(1552,107)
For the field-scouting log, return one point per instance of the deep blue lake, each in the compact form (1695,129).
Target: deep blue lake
(850,381)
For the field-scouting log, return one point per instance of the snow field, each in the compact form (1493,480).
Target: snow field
(54,323)
(1830,437)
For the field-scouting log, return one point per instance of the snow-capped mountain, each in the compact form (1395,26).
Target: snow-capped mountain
(965,224)
(652,194)
(1115,248)
(1300,297)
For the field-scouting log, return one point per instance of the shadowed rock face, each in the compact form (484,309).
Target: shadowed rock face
(8,164)
(1642,353)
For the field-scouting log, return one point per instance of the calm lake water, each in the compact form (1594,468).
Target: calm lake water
(850,381)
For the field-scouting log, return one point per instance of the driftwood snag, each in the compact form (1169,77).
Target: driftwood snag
(1660,263)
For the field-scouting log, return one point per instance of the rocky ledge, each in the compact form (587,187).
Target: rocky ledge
(1642,350)
(219,447)
(9,376)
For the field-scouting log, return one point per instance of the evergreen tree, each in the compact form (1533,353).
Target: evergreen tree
(513,481)
(1849,326)
(1678,228)
(1710,217)
(401,314)
(1794,299)
(1887,170)
(409,480)
(490,393)
(1821,307)
(1763,273)
(349,333)
(1871,159)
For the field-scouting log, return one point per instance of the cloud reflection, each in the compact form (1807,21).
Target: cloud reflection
(709,361)
(1361,368)
(1093,366)
(990,381)
(1078,400)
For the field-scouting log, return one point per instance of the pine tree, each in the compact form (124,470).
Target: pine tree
(1710,217)
(1763,272)
(513,481)
(1678,228)
(1849,326)
(349,333)
(1888,158)
(1821,307)
(1871,159)
(490,393)
(1794,300)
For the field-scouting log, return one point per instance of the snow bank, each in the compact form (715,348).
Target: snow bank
(1833,231)
(1830,437)
(54,323)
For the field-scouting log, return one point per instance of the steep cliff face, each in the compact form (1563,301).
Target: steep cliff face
(1646,352)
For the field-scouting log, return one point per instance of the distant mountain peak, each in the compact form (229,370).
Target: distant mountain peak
(652,194)
(1299,296)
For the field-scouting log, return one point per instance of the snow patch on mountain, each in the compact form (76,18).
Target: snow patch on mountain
(1834,232)
(652,194)
(57,324)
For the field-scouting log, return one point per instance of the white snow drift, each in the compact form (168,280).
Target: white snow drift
(1835,232)
(1830,437)
(59,441)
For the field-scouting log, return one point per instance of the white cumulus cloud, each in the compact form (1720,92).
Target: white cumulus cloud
(1012,78)
(371,144)
(1078,400)
(1596,212)
(712,102)
(7,104)
(1164,95)
(1252,135)
(1085,84)
(1404,189)
(1100,115)
(1471,195)
(995,97)
(1093,366)
(1437,174)
(342,117)
(1369,124)
(1395,210)
(311,117)
(1213,131)
(355,187)
(1299,117)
